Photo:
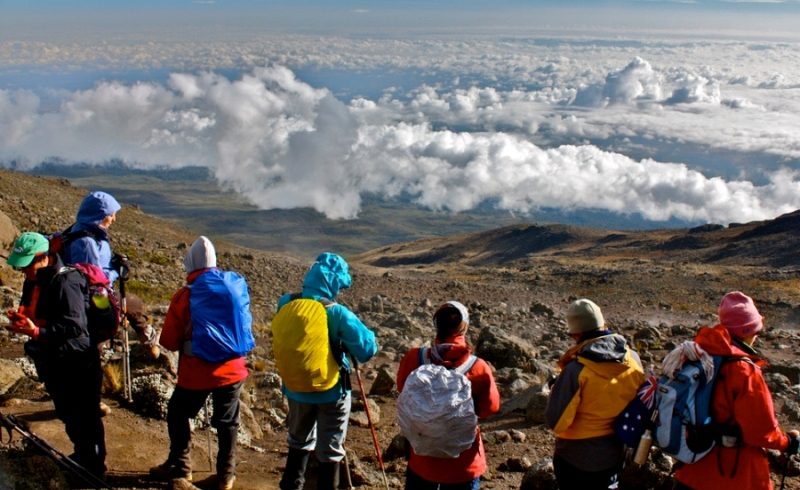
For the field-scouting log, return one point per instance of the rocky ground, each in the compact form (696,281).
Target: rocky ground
(517,310)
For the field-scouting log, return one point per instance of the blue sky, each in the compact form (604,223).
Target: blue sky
(33,19)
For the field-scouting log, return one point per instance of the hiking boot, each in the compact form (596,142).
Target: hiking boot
(226,483)
(105,410)
(169,471)
(328,476)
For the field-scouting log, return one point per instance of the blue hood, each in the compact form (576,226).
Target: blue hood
(95,207)
(327,276)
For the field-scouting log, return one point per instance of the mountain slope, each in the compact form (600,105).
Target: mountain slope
(766,243)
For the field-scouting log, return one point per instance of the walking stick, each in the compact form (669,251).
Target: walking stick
(347,475)
(208,423)
(371,425)
(126,348)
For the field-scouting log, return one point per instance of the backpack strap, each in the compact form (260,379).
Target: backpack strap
(465,367)
(424,358)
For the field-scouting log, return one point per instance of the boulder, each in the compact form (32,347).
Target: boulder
(384,383)
(505,350)
(358,415)
(8,232)
(10,374)
(535,410)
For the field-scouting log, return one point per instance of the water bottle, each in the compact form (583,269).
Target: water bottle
(643,450)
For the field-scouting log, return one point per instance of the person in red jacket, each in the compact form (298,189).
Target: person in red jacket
(742,401)
(450,349)
(197,379)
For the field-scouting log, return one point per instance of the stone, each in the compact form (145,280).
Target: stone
(10,374)
(504,350)
(384,383)
(517,465)
(540,476)
(535,410)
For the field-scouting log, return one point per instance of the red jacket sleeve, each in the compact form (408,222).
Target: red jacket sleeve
(409,363)
(178,321)
(484,389)
(752,406)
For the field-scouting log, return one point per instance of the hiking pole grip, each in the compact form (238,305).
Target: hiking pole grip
(369,421)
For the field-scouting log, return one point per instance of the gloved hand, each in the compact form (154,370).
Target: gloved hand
(120,263)
(21,324)
(794,442)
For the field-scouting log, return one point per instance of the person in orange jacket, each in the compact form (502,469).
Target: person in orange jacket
(741,400)
(450,349)
(197,379)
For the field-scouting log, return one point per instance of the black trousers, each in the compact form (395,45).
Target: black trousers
(73,382)
(185,405)
(570,477)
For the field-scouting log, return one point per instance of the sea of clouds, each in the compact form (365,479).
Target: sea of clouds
(697,131)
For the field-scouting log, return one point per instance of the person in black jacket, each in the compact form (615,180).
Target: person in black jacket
(52,312)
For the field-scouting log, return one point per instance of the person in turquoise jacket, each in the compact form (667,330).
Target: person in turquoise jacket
(317,421)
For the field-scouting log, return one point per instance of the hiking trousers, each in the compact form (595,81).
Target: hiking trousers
(319,427)
(570,477)
(184,405)
(73,383)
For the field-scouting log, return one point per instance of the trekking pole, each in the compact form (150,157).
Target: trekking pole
(126,348)
(11,423)
(347,474)
(371,425)
(208,423)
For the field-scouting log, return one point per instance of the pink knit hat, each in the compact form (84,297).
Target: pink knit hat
(739,315)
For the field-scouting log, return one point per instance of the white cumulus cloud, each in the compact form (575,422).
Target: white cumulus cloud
(281,143)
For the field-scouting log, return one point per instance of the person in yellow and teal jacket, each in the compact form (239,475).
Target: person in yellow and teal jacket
(317,420)
(599,375)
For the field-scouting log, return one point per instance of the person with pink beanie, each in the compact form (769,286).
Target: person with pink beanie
(741,401)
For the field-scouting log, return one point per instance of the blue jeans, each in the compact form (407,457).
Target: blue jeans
(416,482)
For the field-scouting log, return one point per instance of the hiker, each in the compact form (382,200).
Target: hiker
(87,241)
(52,312)
(318,389)
(192,309)
(451,350)
(741,405)
(599,375)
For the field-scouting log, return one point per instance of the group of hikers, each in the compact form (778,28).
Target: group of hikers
(318,342)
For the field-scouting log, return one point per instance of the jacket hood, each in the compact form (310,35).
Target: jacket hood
(717,341)
(201,255)
(95,207)
(450,352)
(327,276)
(607,356)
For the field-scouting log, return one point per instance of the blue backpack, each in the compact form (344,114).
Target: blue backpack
(221,320)
(686,430)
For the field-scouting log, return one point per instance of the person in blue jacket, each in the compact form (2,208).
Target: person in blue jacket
(317,421)
(87,241)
